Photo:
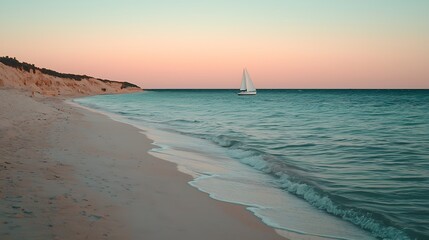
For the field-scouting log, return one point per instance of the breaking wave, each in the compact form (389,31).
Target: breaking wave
(317,198)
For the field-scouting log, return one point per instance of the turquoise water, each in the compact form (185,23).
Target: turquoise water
(358,156)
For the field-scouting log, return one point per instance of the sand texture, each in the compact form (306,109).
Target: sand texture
(68,173)
(38,83)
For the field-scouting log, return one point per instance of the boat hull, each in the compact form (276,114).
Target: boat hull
(246,93)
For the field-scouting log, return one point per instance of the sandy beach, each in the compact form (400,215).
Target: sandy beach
(68,173)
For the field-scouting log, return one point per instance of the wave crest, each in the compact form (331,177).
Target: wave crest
(319,200)
(224,141)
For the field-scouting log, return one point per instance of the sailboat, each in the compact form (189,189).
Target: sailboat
(247,87)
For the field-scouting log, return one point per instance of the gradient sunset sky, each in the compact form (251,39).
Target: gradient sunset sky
(206,44)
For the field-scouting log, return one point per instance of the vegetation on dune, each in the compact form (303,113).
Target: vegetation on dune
(23,66)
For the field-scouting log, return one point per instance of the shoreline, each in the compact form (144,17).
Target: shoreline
(101,182)
(214,173)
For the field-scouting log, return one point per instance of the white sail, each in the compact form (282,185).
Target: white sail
(249,83)
(243,81)
(247,87)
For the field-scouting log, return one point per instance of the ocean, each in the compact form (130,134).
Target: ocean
(314,164)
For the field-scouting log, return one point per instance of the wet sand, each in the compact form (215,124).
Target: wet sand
(68,173)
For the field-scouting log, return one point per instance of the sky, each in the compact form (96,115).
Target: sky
(206,44)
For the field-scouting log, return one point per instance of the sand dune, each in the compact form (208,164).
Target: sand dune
(37,82)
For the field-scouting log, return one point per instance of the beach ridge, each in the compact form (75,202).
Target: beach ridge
(45,82)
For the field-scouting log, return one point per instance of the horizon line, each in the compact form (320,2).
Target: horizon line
(149,89)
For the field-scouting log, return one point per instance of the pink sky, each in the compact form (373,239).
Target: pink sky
(209,51)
